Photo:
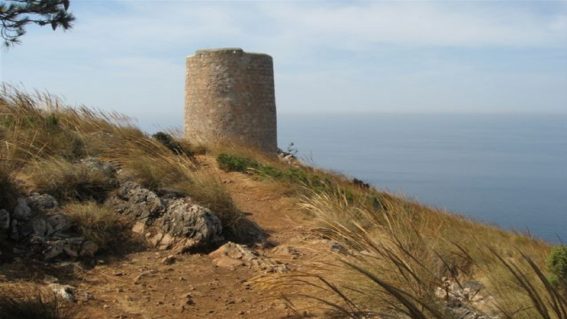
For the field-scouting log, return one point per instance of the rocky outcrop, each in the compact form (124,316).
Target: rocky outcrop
(167,219)
(168,222)
(39,229)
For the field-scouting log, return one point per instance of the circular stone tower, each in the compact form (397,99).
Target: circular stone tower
(229,99)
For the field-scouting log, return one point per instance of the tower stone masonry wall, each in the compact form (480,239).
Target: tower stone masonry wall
(230,99)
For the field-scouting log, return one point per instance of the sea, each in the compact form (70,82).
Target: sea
(508,170)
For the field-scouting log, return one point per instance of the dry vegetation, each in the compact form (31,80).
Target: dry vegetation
(45,147)
(400,253)
(24,301)
(99,224)
(397,252)
(44,144)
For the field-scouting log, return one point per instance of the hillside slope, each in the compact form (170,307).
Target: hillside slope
(101,220)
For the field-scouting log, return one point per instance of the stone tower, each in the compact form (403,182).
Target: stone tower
(229,99)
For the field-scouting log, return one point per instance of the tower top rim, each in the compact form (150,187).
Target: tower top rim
(225,51)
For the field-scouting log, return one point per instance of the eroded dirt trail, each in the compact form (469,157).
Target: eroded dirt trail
(142,285)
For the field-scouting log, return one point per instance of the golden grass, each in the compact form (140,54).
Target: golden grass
(400,252)
(19,301)
(66,180)
(43,141)
(99,224)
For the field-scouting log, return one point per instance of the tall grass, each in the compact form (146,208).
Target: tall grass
(66,180)
(399,253)
(44,142)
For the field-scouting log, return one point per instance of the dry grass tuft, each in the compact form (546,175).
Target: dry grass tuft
(65,180)
(18,301)
(99,224)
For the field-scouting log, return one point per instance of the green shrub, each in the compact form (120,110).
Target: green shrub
(557,262)
(233,163)
(295,175)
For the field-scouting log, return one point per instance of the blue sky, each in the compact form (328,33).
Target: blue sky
(330,56)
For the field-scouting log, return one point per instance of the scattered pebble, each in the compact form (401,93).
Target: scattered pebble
(168,260)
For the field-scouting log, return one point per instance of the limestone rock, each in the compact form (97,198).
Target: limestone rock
(41,231)
(169,260)
(166,242)
(287,251)
(155,239)
(139,228)
(228,262)
(183,226)
(41,202)
(21,229)
(232,255)
(195,223)
(22,211)
(169,193)
(137,202)
(71,247)
(52,251)
(65,292)
(46,227)
(288,157)
(4,220)
(168,222)
(97,165)
(40,227)
(14,234)
(58,224)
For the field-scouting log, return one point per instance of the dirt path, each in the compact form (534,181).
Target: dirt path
(142,286)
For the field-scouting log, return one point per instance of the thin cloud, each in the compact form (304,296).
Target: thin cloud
(337,56)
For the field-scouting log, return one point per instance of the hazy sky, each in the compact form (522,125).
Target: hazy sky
(439,56)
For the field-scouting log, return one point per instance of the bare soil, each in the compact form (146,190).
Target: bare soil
(140,285)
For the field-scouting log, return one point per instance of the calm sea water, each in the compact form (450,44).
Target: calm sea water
(507,170)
